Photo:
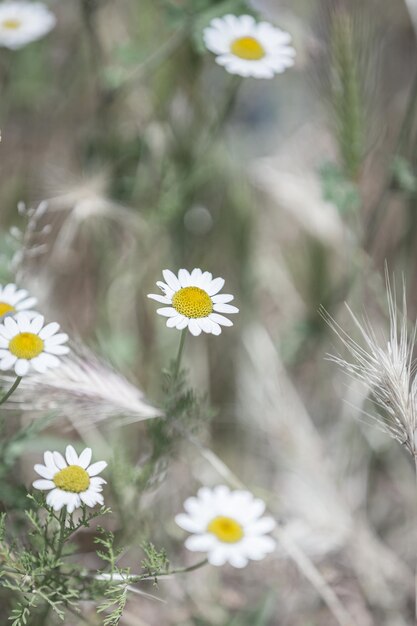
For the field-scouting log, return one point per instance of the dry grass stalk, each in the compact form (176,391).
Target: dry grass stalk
(385,365)
(87,387)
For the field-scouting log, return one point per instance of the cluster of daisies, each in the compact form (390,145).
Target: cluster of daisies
(26,342)
(229,526)
(241,45)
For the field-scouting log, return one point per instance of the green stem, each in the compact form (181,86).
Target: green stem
(60,545)
(11,390)
(180,570)
(404,137)
(184,570)
(179,354)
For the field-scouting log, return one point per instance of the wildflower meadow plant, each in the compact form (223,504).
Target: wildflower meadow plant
(27,343)
(227,525)
(72,480)
(144,156)
(194,301)
(23,22)
(13,300)
(247,48)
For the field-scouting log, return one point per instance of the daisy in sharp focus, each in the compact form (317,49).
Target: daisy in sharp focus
(27,343)
(71,481)
(13,300)
(24,22)
(249,48)
(228,525)
(193,300)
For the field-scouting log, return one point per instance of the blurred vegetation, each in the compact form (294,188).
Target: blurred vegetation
(296,191)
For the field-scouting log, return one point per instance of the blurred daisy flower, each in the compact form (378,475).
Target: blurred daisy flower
(26,343)
(193,300)
(71,481)
(13,300)
(227,525)
(24,22)
(248,48)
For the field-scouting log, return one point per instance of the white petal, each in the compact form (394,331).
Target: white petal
(97,481)
(43,485)
(84,459)
(39,364)
(205,324)
(225,308)
(195,276)
(217,557)
(24,323)
(237,560)
(173,321)
(96,468)
(215,286)
(200,543)
(36,324)
(73,501)
(158,298)
(49,330)
(57,350)
(91,497)
(56,339)
(220,319)
(71,456)
(183,323)
(45,472)
(48,459)
(189,524)
(21,367)
(4,332)
(215,328)
(262,526)
(194,328)
(56,499)
(7,362)
(223,298)
(168,292)
(26,304)
(184,278)
(59,460)
(11,326)
(171,280)
(49,360)
(167,312)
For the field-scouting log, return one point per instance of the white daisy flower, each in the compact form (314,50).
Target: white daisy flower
(248,48)
(71,481)
(227,525)
(193,300)
(13,300)
(26,343)
(24,22)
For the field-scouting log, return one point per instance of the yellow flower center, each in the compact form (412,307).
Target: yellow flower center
(247,48)
(12,24)
(72,478)
(226,529)
(192,302)
(26,346)
(6,308)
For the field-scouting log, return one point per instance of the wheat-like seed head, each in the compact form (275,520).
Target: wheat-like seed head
(86,387)
(385,366)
